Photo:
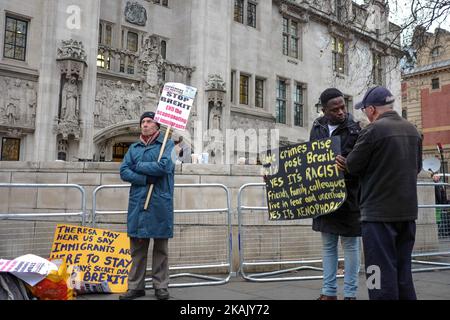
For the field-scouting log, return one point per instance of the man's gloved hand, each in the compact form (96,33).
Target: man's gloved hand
(151,179)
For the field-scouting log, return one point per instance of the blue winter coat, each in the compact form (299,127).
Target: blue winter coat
(157,220)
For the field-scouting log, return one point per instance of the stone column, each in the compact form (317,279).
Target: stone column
(211,17)
(47,103)
(65,20)
(89,35)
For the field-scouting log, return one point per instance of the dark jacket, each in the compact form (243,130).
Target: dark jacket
(157,220)
(387,157)
(346,220)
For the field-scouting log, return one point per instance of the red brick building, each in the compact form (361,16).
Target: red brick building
(426,93)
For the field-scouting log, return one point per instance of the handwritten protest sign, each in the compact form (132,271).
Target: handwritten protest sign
(304,181)
(102,256)
(175,105)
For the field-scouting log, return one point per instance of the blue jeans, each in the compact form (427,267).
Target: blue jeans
(330,264)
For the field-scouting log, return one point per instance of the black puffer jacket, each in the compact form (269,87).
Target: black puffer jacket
(346,220)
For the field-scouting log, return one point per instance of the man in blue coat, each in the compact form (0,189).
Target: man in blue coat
(141,168)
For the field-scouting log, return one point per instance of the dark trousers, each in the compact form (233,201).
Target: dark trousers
(387,249)
(160,263)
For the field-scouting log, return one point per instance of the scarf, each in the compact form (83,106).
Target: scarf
(149,139)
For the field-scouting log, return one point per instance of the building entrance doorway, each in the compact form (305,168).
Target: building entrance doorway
(119,151)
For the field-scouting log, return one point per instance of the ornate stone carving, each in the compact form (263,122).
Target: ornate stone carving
(135,13)
(215,118)
(150,62)
(70,107)
(215,82)
(17,102)
(71,49)
(15,133)
(71,58)
(215,93)
(68,123)
(63,147)
(67,129)
(116,102)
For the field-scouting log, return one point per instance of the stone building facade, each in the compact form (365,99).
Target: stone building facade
(75,75)
(426,92)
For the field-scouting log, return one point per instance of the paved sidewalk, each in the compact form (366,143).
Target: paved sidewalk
(432,285)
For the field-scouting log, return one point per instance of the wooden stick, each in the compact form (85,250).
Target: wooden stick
(150,191)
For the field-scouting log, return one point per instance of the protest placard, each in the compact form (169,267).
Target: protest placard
(175,105)
(102,256)
(303,180)
(173,111)
(29,268)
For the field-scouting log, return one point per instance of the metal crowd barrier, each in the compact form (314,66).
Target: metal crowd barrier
(436,245)
(277,244)
(432,242)
(207,240)
(33,232)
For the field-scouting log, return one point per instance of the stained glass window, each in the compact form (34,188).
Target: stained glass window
(10,149)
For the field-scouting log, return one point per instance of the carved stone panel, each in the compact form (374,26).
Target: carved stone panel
(135,13)
(18,100)
(116,102)
(150,62)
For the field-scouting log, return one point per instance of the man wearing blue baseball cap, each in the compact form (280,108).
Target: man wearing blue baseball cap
(387,158)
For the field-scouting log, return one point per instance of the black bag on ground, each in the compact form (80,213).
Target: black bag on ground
(12,288)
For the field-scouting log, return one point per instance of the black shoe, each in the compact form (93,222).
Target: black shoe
(324,297)
(162,294)
(132,294)
(349,298)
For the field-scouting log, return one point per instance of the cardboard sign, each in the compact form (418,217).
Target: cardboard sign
(102,256)
(303,180)
(175,105)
